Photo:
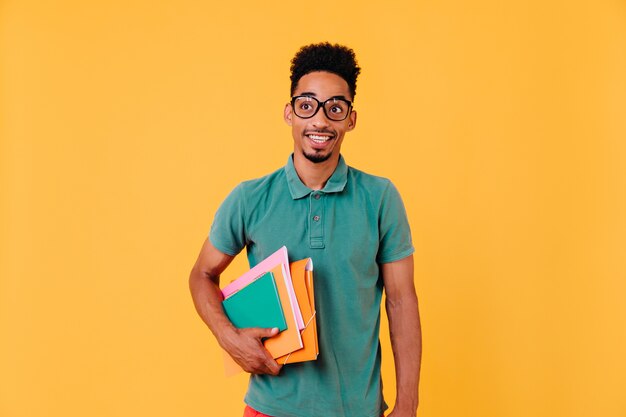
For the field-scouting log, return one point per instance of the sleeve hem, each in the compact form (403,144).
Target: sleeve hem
(396,256)
(223,248)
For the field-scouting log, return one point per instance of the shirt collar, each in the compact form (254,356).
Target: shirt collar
(335,184)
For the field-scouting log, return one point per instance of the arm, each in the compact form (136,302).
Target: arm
(405,333)
(244,345)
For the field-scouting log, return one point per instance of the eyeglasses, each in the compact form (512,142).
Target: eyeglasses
(335,108)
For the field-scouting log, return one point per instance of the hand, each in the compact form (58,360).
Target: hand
(402,412)
(245,346)
(398,413)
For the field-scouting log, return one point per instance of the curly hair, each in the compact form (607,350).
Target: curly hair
(338,59)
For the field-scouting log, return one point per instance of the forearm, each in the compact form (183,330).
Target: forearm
(243,345)
(406,341)
(207,299)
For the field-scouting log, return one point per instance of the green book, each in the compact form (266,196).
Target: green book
(256,305)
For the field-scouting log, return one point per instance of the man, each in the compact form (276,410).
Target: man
(354,227)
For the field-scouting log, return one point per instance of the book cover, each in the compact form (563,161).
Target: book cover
(256,305)
(302,277)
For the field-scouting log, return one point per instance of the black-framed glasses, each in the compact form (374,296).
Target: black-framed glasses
(335,108)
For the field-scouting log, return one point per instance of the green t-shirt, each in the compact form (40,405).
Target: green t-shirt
(349,228)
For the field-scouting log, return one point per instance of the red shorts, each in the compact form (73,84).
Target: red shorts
(251,412)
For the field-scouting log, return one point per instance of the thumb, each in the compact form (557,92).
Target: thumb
(263,332)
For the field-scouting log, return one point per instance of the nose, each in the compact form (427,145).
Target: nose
(320,120)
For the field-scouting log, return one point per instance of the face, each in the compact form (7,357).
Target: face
(318,138)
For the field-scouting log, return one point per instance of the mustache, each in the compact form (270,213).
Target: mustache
(323,131)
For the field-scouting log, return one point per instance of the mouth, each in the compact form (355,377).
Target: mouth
(320,138)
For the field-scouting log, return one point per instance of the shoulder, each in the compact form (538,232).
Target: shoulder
(378,193)
(373,184)
(262,184)
(247,195)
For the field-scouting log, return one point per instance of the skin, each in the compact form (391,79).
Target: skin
(245,345)
(321,85)
(405,333)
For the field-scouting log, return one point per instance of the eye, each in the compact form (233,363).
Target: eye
(305,106)
(337,109)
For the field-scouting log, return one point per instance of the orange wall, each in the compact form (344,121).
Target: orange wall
(124,124)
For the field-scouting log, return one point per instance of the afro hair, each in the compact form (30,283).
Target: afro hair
(337,59)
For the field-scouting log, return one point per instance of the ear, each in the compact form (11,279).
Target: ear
(288,113)
(352,120)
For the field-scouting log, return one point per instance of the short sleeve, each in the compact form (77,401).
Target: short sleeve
(228,229)
(394,231)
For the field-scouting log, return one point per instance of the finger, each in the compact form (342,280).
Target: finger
(262,332)
(264,366)
(272,366)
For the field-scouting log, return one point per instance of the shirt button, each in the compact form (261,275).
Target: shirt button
(316,218)
(317,196)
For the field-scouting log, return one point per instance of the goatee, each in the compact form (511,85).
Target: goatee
(315,158)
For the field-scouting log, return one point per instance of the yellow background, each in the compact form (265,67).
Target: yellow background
(125,123)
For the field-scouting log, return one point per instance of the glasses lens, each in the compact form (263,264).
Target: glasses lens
(305,106)
(337,109)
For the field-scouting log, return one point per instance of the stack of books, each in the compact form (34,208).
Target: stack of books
(278,294)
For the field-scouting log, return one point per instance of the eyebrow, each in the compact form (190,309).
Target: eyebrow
(312,94)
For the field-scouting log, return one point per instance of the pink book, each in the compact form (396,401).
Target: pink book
(277,258)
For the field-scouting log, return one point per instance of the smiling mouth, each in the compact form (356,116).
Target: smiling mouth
(319,138)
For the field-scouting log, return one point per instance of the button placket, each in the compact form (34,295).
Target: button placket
(316,220)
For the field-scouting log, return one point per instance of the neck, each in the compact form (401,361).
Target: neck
(314,175)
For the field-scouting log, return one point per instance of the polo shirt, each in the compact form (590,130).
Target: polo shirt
(349,228)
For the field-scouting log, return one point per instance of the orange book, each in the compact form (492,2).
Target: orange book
(289,340)
(302,278)
(284,342)
(291,345)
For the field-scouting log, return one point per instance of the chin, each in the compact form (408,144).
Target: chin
(317,158)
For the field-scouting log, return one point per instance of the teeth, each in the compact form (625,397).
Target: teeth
(319,139)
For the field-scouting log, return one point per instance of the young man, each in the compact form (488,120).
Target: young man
(354,227)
